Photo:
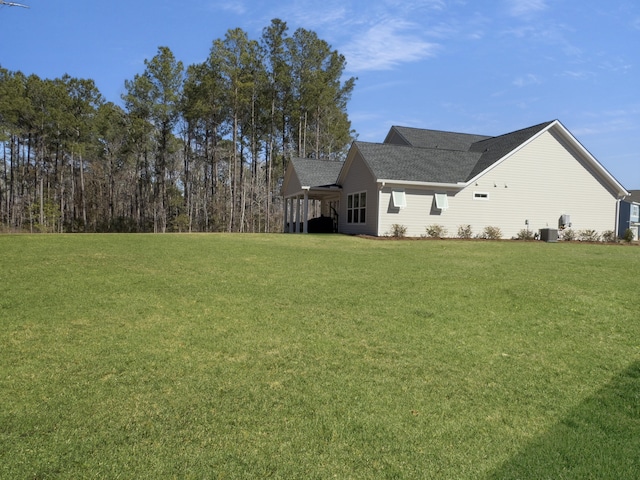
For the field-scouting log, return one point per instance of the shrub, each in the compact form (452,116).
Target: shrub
(609,236)
(588,235)
(628,235)
(525,234)
(491,233)
(398,231)
(464,231)
(436,231)
(567,235)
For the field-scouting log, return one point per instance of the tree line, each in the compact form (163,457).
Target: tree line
(201,148)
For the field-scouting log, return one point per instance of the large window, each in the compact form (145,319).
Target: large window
(357,207)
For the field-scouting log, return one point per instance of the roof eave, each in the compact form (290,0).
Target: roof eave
(604,173)
(610,179)
(449,186)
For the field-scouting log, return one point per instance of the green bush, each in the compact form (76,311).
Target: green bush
(628,235)
(436,231)
(525,234)
(464,231)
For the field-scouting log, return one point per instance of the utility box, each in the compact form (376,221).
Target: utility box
(549,234)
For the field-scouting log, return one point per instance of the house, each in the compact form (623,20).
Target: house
(536,178)
(630,214)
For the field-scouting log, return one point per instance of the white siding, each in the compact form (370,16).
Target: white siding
(419,212)
(539,183)
(359,179)
(291,182)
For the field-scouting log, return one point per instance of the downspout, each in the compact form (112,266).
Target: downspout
(618,214)
(617,217)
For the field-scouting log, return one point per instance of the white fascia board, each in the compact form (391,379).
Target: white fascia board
(448,186)
(621,191)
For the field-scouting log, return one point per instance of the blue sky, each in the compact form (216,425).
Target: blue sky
(486,67)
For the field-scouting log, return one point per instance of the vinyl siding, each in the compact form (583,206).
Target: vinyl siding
(539,183)
(419,212)
(292,183)
(359,179)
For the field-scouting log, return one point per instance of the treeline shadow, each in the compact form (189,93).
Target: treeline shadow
(598,439)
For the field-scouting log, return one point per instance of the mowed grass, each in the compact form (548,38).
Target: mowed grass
(304,356)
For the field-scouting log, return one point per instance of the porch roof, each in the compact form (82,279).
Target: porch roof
(315,178)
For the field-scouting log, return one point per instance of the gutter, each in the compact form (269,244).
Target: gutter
(453,186)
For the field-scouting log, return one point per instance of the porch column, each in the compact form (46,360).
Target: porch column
(291,215)
(286,214)
(305,220)
(297,227)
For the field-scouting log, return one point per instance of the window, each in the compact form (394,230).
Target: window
(357,207)
(398,199)
(635,213)
(481,195)
(442,201)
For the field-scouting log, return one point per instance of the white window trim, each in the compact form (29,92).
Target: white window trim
(481,195)
(398,198)
(442,201)
(359,208)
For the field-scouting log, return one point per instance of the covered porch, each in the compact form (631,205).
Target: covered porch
(311,196)
(312,210)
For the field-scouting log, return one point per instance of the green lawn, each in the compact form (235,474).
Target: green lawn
(313,357)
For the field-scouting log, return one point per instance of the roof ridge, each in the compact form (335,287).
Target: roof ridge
(328,160)
(441,131)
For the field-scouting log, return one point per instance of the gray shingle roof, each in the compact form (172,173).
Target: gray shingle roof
(417,155)
(316,173)
(634,197)
(418,137)
(440,157)
(400,162)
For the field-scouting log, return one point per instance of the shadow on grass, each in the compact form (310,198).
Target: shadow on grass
(599,439)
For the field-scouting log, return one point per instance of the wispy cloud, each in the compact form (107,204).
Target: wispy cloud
(526,80)
(604,127)
(380,36)
(386,45)
(525,8)
(577,74)
(237,7)
(549,34)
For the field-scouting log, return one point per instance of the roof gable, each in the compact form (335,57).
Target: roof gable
(316,173)
(493,149)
